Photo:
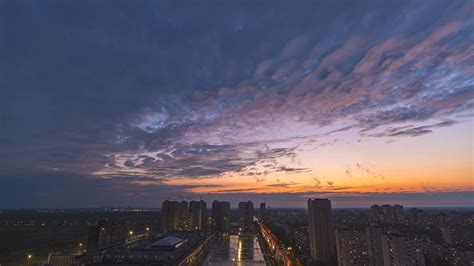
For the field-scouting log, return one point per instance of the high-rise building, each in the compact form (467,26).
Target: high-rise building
(351,247)
(221,216)
(388,214)
(417,217)
(183,214)
(401,250)
(374,245)
(399,214)
(321,230)
(204,220)
(105,235)
(263,208)
(194,218)
(376,215)
(246,216)
(170,211)
(197,218)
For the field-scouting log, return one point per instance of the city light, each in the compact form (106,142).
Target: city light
(239,250)
(283,236)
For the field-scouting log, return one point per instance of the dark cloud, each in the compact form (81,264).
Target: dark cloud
(283,185)
(412,131)
(291,169)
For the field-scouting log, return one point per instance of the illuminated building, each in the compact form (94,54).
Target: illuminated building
(401,250)
(351,246)
(374,244)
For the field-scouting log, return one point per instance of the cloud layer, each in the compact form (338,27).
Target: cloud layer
(148,92)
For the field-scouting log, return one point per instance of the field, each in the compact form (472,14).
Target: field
(41,232)
(19,241)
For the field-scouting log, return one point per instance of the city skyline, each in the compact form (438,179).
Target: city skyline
(121,103)
(318,235)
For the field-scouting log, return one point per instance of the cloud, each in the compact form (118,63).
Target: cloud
(366,169)
(348,172)
(151,90)
(412,131)
(282,185)
(318,182)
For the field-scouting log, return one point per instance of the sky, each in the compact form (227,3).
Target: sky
(129,103)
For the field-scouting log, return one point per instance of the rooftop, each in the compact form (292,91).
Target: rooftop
(169,241)
(164,249)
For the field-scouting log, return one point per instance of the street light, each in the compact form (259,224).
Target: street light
(130,233)
(29,257)
(148,228)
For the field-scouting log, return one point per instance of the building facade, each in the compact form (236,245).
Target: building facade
(105,235)
(221,216)
(351,247)
(183,215)
(374,245)
(402,250)
(197,219)
(246,216)
(321,230)
(170,214)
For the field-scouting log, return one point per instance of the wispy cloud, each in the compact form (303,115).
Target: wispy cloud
(412,131)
